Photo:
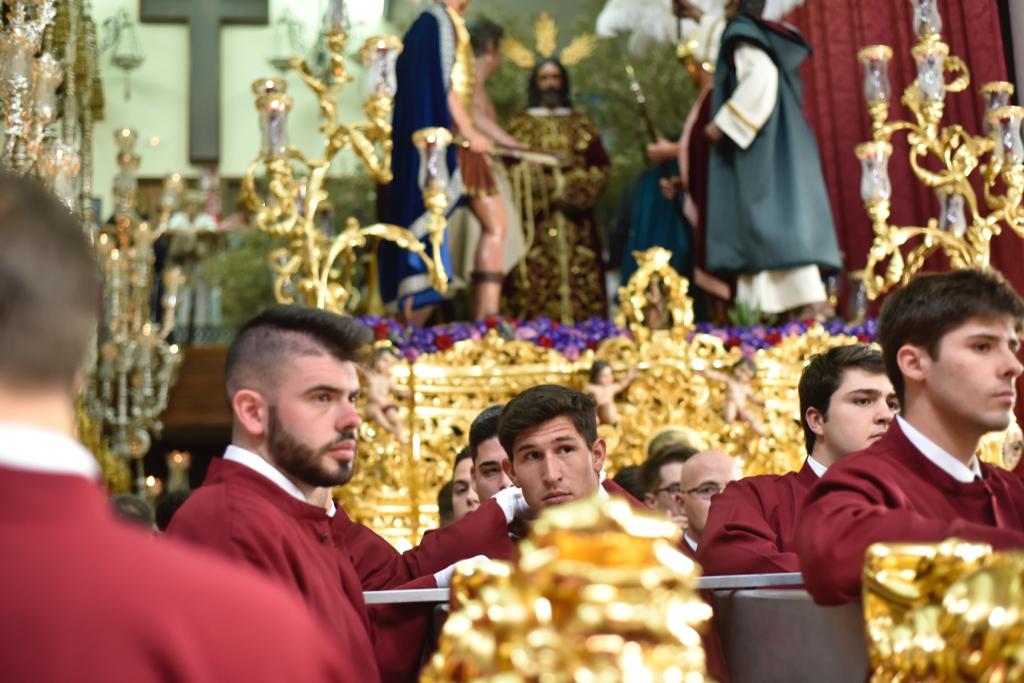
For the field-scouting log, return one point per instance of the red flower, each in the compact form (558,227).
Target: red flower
(863,338)
(592,345)
(555,324)
(491,322)
(546,341)
(773,337)
(444,341)
(380,331)
(733,342)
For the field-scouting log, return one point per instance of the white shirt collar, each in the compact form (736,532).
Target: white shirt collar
(817,467)
(34,449)
(689,541)
(260,466)
(544,111)
(940,456)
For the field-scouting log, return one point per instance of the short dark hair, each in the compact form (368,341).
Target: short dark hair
(596,369)
(484,32)
(49,287)
(484,427)
(463,454)
(931,305)
(533,92)
(544,402)
(445,506)
(167,506)
(754,8)
(132,508)
(255,355)
(650,471)
(629,478)
(823,375)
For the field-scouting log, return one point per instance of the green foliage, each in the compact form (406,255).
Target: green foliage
(600,89)
(742,315)
(242,269)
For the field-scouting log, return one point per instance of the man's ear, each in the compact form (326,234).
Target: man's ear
(252,413)
(649,500)
(509,470)
(913,362)
(598,451)
(815,421)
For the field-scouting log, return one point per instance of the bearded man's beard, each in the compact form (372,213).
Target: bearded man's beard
(550,98)
(304,463)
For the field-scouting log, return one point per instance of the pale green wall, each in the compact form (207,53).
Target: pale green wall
(159,101)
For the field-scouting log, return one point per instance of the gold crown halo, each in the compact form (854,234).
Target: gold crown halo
(545,33)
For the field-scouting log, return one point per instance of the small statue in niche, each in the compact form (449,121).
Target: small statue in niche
(656,313)
(381,389)
(603,388)
(738,392)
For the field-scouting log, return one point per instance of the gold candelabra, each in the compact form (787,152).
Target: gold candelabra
(136,365)
(942,158)
(314,269)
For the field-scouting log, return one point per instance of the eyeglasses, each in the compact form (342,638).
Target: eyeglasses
(671,489)
(705,490)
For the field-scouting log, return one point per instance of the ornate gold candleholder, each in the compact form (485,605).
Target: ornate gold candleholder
(962,231)
(136,365)
(314,269)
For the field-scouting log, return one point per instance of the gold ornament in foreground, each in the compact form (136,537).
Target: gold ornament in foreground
(600,593)
(952,611)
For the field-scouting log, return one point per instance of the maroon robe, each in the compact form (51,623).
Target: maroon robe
(241,513)
(714,652)
(751,527)
(892,493)
(88,598)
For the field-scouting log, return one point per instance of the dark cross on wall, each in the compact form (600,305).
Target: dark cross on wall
(204,18)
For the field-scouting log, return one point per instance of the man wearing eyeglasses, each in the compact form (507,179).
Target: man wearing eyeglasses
(659,476)
(846,404)
(704,476)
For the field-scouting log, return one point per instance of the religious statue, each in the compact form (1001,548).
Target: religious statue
(769,218)
(380,389)
(436,82)
(194,238)
(738,392)
(562,275)
(603,389)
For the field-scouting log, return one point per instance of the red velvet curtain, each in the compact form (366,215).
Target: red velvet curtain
(835,105)
(832,78)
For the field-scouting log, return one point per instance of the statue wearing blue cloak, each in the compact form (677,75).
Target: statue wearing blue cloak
(424,78)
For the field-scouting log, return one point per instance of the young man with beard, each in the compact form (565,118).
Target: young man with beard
(951,344)
(87,597)
(292,385)
(846,404)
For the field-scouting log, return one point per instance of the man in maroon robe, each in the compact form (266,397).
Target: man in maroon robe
(950,344)
(846,404)
(292,382)
(87,597)
(555,457)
